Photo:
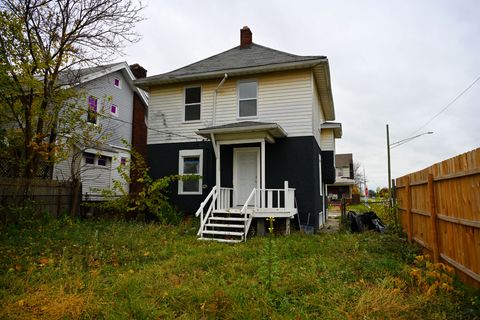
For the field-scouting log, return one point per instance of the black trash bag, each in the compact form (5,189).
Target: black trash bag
(356,224)
(366,221)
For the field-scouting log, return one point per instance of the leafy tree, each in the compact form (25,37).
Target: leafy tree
(42,43)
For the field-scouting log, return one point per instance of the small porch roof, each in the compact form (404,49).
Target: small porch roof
(271,128)
(336,126)
(343,182)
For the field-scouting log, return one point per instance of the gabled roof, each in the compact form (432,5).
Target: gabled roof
(246,61)
(79,76)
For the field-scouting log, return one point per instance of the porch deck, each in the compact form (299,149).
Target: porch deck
(224,221)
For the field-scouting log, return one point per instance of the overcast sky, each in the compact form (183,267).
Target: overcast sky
(395,62)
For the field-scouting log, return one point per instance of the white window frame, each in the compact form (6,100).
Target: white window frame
(116,108)
(96,111)
(185,154)
(119,83)
(238,99)
(185,103)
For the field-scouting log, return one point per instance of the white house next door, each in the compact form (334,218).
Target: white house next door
(246,173)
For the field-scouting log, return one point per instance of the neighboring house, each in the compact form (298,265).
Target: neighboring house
(120,109)
(343,186)
(250,122)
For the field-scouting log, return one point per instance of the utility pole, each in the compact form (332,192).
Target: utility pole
(389,170)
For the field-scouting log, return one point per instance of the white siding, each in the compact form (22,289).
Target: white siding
(103,89)
(327,140)
(285,98)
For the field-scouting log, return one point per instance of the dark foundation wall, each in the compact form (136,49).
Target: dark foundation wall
(163,161)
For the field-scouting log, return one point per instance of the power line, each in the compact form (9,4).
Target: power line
(149,128)
(448,105)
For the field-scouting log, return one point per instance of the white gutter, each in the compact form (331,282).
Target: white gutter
(215,98)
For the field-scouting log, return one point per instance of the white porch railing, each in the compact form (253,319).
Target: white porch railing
(225,199)
(212,198)
(260,201)
(247,220)
(279,199)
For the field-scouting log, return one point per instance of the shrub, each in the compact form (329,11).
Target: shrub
(152,200)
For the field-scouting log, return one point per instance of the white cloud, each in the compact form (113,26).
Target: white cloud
(396,62)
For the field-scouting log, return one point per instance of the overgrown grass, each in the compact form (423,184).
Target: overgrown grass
(130,270)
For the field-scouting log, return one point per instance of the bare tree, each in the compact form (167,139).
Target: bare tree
(358,175)
(41,43)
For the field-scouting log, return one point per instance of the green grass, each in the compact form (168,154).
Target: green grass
(130,270)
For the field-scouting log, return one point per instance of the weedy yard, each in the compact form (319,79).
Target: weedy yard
(68,269)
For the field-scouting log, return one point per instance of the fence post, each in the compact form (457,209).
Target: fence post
(393,206)
(433,218)
(409,209)
(59,201)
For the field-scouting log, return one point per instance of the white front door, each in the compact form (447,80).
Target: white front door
(246,173)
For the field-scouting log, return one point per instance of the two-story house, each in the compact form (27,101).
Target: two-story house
(119,109)
(344,182)
(250,122)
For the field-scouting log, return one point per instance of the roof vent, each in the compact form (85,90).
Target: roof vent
(245,37)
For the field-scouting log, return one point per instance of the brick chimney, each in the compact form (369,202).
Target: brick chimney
(245,37)
(138,71)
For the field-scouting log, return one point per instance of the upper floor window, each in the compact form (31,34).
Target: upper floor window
(114,110)
(193,96)
(89,158)
(247,99)
(92,110)
(117,83)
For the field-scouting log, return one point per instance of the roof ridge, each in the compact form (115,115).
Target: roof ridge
(288,53)
(238,48)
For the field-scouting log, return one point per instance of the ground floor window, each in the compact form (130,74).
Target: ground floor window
(190,162)
(95,159)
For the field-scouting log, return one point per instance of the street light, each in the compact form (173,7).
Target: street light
(391,146)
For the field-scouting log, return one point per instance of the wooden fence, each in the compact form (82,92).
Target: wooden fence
(439,208)
(50,196)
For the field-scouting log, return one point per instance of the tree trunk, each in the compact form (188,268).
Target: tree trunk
(76,197)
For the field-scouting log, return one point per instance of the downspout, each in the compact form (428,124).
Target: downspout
(216,148)
(214,111)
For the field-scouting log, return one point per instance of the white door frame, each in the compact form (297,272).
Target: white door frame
(236,151)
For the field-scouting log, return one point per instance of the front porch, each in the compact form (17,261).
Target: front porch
(223,221)
(240,194)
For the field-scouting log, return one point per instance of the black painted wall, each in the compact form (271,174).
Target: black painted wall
(296,160)
(328,167)
(289,159)
(163,161)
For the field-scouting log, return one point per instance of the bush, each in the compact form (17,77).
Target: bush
(151,201)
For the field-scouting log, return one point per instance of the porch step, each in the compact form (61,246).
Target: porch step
(224,233)
(227,211)
(228,219)
(221,225)
(221,240)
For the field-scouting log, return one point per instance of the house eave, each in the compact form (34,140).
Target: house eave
(323,83)
(127,73)
(162,79)
(275,130)
(335,126)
